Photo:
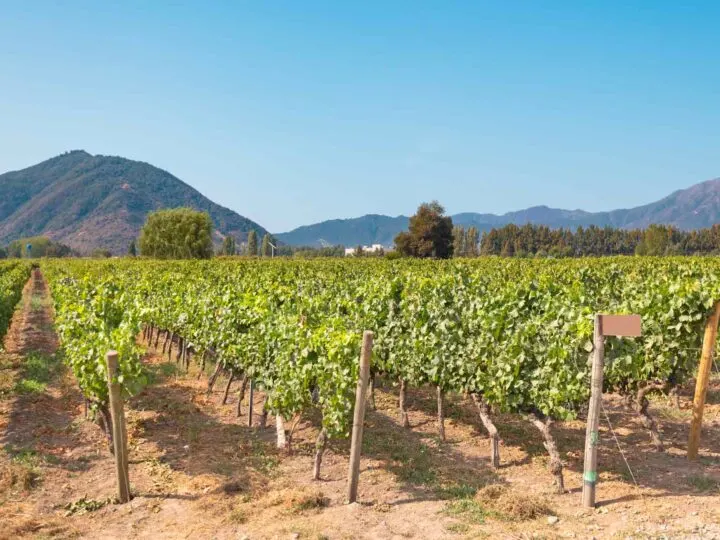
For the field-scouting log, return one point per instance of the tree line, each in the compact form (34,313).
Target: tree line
(542,241)
(184,233)
(431,234)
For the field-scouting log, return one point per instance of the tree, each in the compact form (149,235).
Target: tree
(472,239)
(266,248)
(37,246)
(459,241)
(178,233)
(132,249)
(229,245)
(358,251)
(252,243)
(430,233)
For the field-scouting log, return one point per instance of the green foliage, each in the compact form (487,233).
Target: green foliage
(13,276)
(430,234)
(465,241)
(518,332)
(229,246)
(38,370)
(101,254)
(179,233)
(540,240)
(132,249)
(252,243)
(85,505)
(94,314)
(308,252)
(266,248)
(40,246)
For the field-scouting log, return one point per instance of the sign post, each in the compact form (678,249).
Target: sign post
(605,325)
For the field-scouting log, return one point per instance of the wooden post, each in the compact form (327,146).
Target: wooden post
(359,416)
(441,413)
(703,376)
(250,405)
(118,427)
(593,419)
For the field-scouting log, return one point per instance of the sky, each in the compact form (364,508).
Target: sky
(295,112)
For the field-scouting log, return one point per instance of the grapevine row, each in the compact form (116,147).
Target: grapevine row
(515,335)
(13,276)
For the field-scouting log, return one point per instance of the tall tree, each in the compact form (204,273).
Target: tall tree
(229,245)
(132,249)
(252,243)
(472,238)
(266,248)
(458,241)
(430,233)
(179,233)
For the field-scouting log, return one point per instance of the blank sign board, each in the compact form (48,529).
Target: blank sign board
(621,325)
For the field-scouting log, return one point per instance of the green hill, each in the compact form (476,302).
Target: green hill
(90,202)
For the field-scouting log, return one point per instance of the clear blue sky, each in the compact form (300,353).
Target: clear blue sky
(294,112)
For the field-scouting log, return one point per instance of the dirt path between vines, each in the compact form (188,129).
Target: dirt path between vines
(198,471)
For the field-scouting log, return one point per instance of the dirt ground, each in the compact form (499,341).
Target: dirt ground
(198,471)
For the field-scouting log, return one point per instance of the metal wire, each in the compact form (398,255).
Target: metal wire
(617,442)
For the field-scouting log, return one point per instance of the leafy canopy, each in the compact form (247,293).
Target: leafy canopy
(178,233)
(430,233)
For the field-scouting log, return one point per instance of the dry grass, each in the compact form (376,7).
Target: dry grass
(16,476)
(298,500)
(510,505)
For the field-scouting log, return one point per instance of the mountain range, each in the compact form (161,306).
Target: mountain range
(693,208)
(93,201)
(90,202)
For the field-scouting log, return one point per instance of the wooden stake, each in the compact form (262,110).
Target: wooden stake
(593,419)
(118,427)
(441,413)
(703,376)
(264,415)
(359,416)
(404,421)
(250,405)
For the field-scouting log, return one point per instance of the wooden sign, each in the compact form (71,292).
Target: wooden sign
(621,325)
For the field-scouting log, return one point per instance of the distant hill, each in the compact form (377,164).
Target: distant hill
(692,208)
(365,230)
(90,202)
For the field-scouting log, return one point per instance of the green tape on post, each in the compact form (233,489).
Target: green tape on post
(590,477)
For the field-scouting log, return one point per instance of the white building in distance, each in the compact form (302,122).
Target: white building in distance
(366,249)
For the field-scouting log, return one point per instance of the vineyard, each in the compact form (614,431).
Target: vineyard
(511,337)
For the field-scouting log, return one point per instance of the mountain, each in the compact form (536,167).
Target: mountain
(365,230)
(90,202)
(693,208)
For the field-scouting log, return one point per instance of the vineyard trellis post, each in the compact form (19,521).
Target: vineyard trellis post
(703,376)
(605,325)
(118,427)
(359,416)
(250,404)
